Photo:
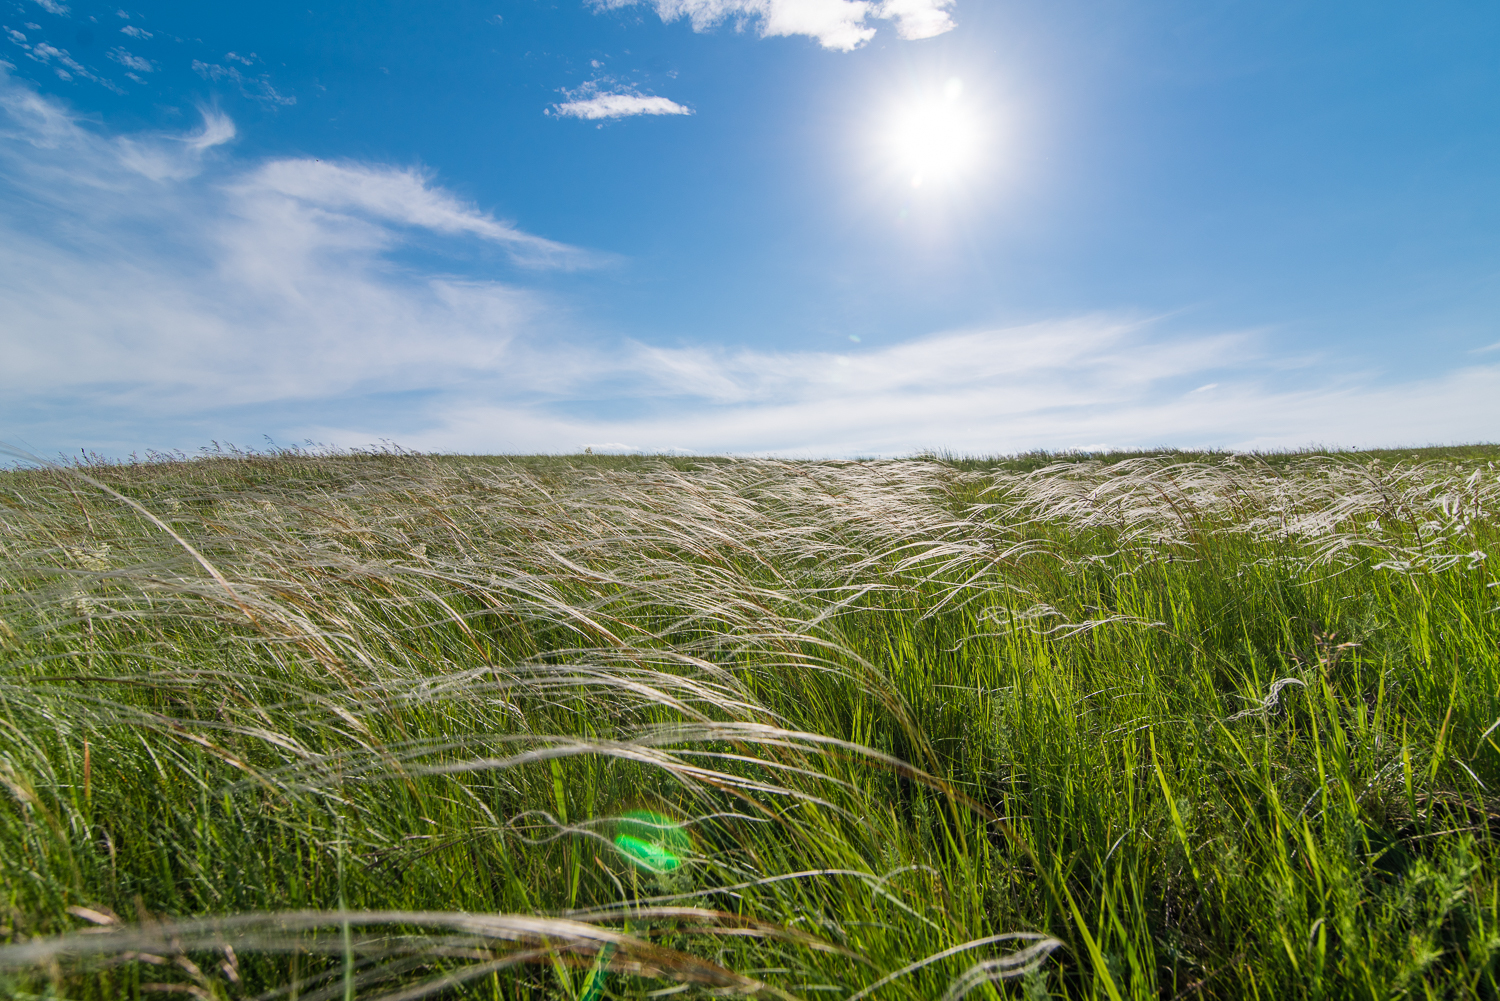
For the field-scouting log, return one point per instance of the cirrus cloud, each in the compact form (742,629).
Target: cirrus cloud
(149,278)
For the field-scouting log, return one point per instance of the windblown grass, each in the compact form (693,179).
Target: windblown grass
(338,726)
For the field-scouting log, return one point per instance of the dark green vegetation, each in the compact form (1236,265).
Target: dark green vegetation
(1178,726)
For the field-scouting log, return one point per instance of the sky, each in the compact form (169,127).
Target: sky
(792,227)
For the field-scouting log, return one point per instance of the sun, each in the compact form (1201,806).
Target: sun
(936,139)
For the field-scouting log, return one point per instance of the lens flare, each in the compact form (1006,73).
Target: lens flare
(651,842)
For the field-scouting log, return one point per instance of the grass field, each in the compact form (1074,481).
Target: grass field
(1146,726)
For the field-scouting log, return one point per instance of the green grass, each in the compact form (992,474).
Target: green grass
(1124,726)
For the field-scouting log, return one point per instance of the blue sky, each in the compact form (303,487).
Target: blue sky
(801,227)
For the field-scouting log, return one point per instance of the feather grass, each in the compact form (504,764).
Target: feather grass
(363,724)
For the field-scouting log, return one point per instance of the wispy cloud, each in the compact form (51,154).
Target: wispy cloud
(257,88)
(135,32)
(394,195)
(158,158)
(617,105)
(1092,382)
(149,278)
(64,65)
(156,290)
(841,25)
(53,7)
(129,61)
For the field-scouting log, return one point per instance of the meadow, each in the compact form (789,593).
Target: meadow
(385,725)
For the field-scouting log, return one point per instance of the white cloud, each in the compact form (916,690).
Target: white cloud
(836,24)
(218,128)
(257,88)
(172,157)
(154,281)
(394,195)
(135,32)
(67,67)
(1105,359)
(52,6)
(1053,385)
(129,61)
(919,18)
(619,106)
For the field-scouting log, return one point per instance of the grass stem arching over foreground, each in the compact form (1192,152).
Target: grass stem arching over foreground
(374,725)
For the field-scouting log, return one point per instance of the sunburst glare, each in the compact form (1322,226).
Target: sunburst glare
(936,139)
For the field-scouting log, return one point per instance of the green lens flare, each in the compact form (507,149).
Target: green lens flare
(646,855)
(651,841)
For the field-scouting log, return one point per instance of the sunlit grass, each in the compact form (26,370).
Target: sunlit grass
(1114,726)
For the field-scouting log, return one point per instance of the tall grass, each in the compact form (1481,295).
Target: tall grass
(334,726)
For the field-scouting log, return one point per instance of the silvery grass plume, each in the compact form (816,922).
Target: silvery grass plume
(1338,502)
